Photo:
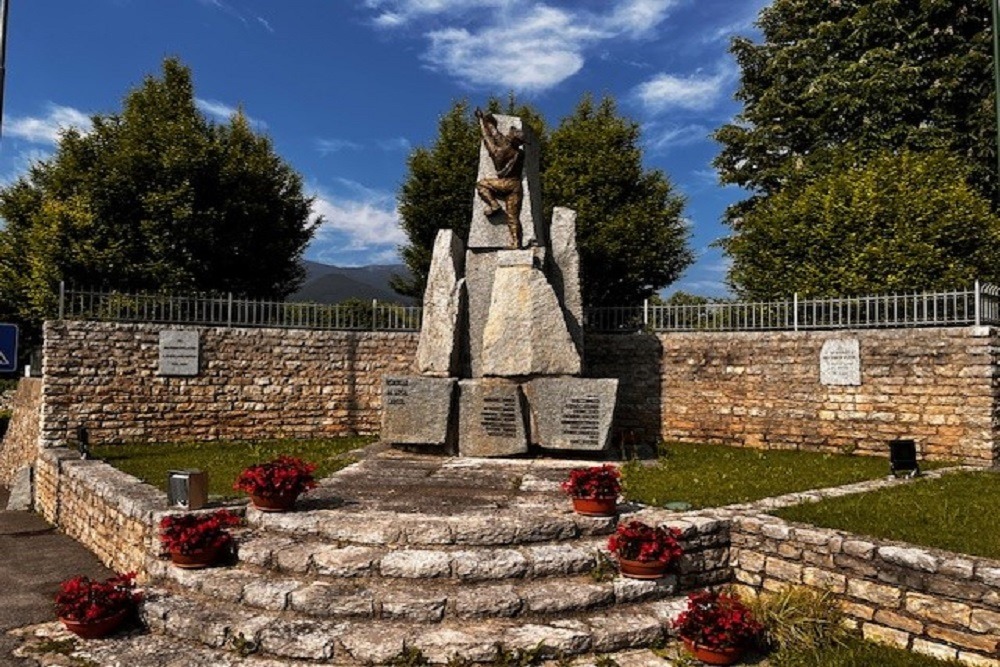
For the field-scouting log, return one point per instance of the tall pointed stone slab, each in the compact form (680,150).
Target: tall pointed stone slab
(490,418)
(564,269)
(439,349)
(571,413)
(525,333)
(490,233)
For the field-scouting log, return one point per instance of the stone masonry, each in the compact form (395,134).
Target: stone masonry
(20,444)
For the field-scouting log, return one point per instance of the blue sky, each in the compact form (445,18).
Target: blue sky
(346,88)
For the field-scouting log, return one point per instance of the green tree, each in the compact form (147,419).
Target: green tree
(898,221)
(877,74)
(155,197)
(629,228)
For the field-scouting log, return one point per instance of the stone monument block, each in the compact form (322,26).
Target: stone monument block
(439,349)
(525,332)
(840,362)
(571,413)
(565,271)
(417,410)
(490,418)
(21,491)
(480,268)
(490,233)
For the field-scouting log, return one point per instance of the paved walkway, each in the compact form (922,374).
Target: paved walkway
(34,558)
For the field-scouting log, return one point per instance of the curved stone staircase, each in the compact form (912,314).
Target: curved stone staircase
(453,558)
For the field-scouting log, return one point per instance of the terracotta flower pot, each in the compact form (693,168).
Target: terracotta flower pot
(596,506)
(96,629)
(274,503)
(195,559)
(637,569)
(714,656)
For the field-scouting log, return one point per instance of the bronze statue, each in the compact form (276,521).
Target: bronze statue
(507,153)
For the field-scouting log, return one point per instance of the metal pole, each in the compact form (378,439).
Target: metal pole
(979,304)
(374,314)
(996,78)
(645,313)
(3,55)
(795,311)
(62,298)
(229,313)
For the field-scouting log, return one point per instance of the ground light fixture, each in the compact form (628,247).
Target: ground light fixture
(903,458)
(187,488)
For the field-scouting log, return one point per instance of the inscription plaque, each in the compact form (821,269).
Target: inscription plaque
(581,421)
(417,410)
(499,416)
(571,413)
(179,353)
(490,418)
(840,362)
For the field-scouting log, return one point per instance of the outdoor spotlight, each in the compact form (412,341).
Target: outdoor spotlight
(903,458)
(83,442)
(187,488)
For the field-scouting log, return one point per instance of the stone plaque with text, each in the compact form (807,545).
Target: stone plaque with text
(840,362)
(571,413)
(416,410)
(491,418)
(179,353)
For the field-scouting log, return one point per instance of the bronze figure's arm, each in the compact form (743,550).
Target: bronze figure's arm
(488,127)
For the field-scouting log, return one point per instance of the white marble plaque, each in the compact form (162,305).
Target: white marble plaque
(840,362)
(179,353)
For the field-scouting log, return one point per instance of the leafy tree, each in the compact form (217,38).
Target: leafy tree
(629,228)
(877,74)
(895,222)
(155,197)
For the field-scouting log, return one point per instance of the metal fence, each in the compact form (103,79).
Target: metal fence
(977,305)
(226,310)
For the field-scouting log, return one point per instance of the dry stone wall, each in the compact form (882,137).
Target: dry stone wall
(253,383)
(926,600)
(938,387)
(20,444)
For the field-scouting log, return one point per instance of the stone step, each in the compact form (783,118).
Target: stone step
(506,526)
(308,555)
(431,602)
(287,636)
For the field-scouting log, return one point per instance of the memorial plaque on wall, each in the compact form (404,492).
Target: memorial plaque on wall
(571,413)
(840,362)
(416,410)
(179,353)
(490,418)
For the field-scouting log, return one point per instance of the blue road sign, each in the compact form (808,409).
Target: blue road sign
(8,348)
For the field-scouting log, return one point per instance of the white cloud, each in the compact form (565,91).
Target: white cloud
(329,146)
(264,22)
(662,138)
(395,144)
(363,220)
(524,45)
(45,129)
(222,112)
(695,92)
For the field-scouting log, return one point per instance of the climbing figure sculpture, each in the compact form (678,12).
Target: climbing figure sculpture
(507,153)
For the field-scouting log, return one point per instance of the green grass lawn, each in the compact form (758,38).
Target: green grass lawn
(714,475)
(859,653)
(956,512)
(223,460)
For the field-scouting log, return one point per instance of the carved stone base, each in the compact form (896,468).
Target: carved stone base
(571,413)
(417,410)
(490,418)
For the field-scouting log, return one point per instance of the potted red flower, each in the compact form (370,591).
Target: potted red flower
(645,552)
(197,540)
(274,486)
(716,627)
(594,490)
(92,609)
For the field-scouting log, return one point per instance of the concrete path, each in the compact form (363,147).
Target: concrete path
(34,558)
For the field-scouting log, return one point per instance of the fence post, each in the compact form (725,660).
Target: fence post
(374,314)
(229,312)
(62,298)
(795,311)
(979,303)
(645,313)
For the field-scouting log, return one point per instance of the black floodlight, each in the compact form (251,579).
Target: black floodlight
(83,442)
(903,458)
(187,488)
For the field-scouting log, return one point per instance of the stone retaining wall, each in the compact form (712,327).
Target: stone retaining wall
(937,386)
(926,600)
(254,383)
(20,444)
(111,513)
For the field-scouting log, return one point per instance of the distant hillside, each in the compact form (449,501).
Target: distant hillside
(332,284)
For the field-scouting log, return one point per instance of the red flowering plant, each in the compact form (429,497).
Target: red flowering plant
(717,621)
(597,482)
(191,533)
(86,600)
(286,476)
(637,541)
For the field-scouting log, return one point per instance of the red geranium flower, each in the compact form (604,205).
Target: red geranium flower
(190,533)
(637,541)
(285,476)
(717,621)
(85,600)
(596,482)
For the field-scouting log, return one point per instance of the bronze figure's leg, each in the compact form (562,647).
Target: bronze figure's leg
(486,192)
(514,200)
